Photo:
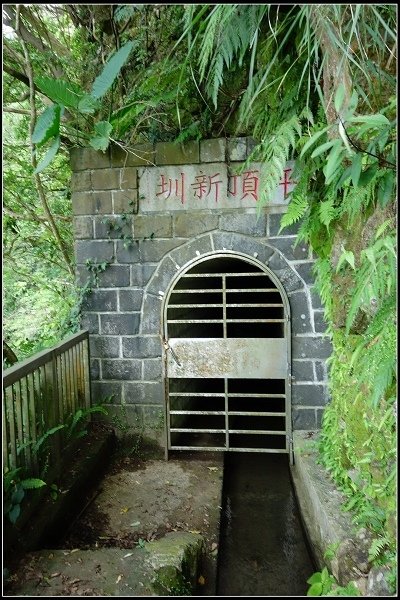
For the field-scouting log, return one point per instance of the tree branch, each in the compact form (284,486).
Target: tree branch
(38,180)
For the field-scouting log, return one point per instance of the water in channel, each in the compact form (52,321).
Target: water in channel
(263,550)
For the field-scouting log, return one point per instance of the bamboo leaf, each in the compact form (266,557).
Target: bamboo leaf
(324,148)
(339,97)
(312,140)
(52,151)
(356,169)
(104,81)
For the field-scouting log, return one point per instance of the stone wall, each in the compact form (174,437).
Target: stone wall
(142,245)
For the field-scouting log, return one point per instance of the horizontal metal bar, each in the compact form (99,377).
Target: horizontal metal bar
(184,430)
(19,370)
(244,395)
(201,448)
(198,412)
(197,394)
(226,321)
(256,414)
(266,450)
(205,305)
(244,274)
(228,290)
(257,431)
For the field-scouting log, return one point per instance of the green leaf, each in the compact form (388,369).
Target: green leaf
(333,162)
(372,120)
(339,97)
(52,151)
(315,578)
(324,148)
(356,169)
(14,513)
(60,91)
(47,125)
(18,495)
(87,104)
(102,138)
(346,256)
(104,81)
(385,188)
(32,484)
(312,140)
(367,175)
(315,590)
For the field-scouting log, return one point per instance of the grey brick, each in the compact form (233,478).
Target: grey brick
(162,277)
(112,227)
(115,276)
(91,203)
(300,313)
(315,299)
(252,247)
(275,223)
(311,347)
(309,395)
(213,150)
(121,369)
(188,251)
(151,320)
(303,370)
(102,390)
(141,274)
(125,201)
(250,224)
(104,347)
(101,300)
(91,250)
(159,226)
(81,181)
(289,279)
(130,300)
(83,228)
(152,369)
(94,369)
(287,245)
(319,322)
(118,324)
(321,371)
(186,225)
(143,392)
(237,149)
(90,322)
(277,262)
(319,415)
(142,154)
(106,179)
(154,250)
(222,240)
(304,419)
(170,153)
(305,272)
(127,251)
(86,158)
(82,275)
(141,347)
(129,178)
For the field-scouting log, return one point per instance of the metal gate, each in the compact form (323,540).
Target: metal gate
(227,349)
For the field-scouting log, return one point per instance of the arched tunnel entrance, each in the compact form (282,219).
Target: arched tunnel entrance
(227,341)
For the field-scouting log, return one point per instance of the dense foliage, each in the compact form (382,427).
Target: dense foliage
(315,83)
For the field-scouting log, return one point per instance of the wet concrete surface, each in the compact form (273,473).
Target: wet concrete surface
(263,550)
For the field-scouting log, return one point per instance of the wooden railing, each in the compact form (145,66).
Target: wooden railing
(40,394)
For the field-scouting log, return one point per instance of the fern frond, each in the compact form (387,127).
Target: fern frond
(297,208)
(327,211)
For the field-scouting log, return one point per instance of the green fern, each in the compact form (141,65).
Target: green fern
(297,208)
(378,545)
(327,212)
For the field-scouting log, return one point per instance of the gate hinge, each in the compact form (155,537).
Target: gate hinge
(174,356)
